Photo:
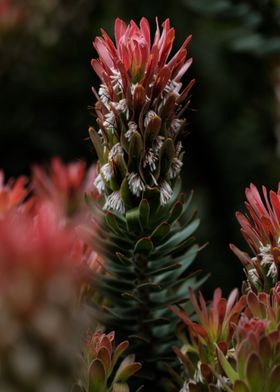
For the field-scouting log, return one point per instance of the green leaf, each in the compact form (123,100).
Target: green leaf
(119,350)
(274,379)
(144,245)
(240,386)
(178,238)
(265,349)
(135,151)
(120,387)
(255,373)
(160,232)
(144,213)
(123,259)
(121,165)
(97,377)
(149,285)
(228,369)
(167,153)
(175,212)
(167,268)
(112,223)
(132,219)
(125,193)
(127,369)
(96,141)
(152,195)
(105,357)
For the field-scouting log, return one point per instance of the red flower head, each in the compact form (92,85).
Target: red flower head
(38,245)
(140,109)
(215,324)
(100,363)
(262,227)
(261,230)
(254,326)
(64,185)
(133,59)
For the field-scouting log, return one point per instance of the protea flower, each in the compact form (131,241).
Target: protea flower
(65,185)
(101,370)
(41,322)
(213,327)
(145,239)
(255,363)
(261,230)
(140,112)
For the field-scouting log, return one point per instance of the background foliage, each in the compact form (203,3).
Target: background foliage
(45,79)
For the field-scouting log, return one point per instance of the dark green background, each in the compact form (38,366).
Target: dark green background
(46,79)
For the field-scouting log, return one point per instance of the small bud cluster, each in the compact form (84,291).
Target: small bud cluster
(234,344)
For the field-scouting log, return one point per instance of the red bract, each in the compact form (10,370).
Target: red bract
(215,323)
(38,244)
(64,184)
(11,194)
(253,325)
(134,59)
(214,328)
(262,226)
(140,109)
(100,359)
(261,230)
(41,276)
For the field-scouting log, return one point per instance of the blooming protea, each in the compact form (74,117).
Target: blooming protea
(65,185)
(213,327)
(145,239)
(40,320)
(254,363)
(261,230)
(100,358)
(140,112)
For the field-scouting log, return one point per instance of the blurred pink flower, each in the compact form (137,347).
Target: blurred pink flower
(12,14)
(64,184)
(12,194)
(38,244)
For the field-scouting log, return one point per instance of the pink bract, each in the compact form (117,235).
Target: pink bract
(135,59)
(262,225)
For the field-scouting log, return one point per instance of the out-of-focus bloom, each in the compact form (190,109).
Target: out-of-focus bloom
(64,184)
(214,326)
(261,230)
(41,322)
(140,108)
(12,14)
(38,246)
(12,194)
(101,371)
